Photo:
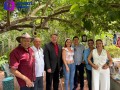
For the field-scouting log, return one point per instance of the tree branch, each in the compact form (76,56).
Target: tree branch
(37,9)
(62,8)
(61,20)
(48,2)
(33,18)
(14,24)
(50,16)
(20,27)
(114,5)
(27,19)
(1,27)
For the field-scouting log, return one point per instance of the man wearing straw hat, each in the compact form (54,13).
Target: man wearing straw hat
(22,62)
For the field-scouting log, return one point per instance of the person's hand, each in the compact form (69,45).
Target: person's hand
(60,68)
(67,68)
(28,82)
(83,62)
(105,66)
(49,70)
(95,67)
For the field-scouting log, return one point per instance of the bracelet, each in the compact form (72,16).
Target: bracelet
(107,63)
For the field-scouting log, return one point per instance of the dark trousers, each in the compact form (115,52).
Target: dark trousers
(26,88)
(80,69)
(38,83)
(89,78)
(52,77)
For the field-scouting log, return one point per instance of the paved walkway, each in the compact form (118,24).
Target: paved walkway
(61,86)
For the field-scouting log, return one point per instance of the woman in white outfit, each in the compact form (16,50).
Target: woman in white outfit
(100,67)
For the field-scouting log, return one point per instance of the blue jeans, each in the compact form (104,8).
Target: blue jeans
(26,88)
(38,85)
(69,76)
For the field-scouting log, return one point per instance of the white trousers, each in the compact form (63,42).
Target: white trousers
(101,79)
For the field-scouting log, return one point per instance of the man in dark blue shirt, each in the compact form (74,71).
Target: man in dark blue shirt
(88,66)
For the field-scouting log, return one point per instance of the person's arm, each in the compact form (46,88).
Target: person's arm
(23,77)
(64,60)
(90,62)
(109,58)
(85,57)
(47,60)
(14,64)
(61,61)
(105,66)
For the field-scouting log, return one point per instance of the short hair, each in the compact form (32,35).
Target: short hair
(36,38)
(90,40)
(75,37)
(99,40)
(54,34)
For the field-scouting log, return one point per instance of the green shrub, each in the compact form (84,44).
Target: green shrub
(113,50)
(3,59)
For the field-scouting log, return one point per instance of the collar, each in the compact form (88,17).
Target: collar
(54,44)
(36,48)
(21,47)
(79,45)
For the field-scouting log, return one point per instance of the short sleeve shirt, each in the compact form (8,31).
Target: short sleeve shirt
(69,55)
(23,61)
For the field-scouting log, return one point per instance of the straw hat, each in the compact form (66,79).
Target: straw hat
(24,35)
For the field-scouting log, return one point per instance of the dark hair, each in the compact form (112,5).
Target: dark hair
(91,40)
(99,40)
(75,37)
(53,34)
(66,41)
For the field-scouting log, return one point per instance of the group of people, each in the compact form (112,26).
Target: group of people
(28,63)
